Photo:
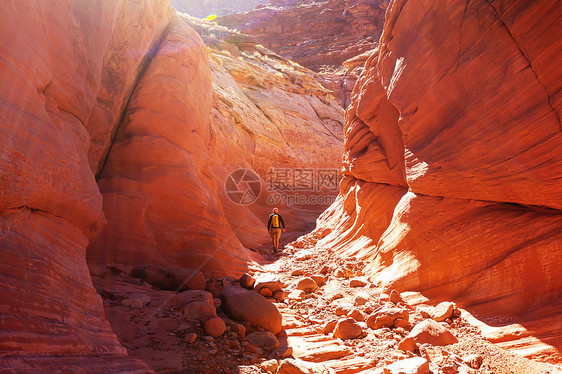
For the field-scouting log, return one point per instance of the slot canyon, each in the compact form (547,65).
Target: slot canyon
(413,150)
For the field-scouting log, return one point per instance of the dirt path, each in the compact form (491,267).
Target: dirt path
(159,334)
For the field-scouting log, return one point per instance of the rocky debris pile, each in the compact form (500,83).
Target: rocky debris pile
(310,313)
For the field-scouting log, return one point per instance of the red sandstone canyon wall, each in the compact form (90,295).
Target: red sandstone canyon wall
(452,158)
(116,146)
(314,34)
(66,70)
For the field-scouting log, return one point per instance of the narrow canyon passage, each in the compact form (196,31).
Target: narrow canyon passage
(412,149)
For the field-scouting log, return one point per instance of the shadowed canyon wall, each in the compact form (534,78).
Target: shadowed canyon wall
(453,170)
(108,151)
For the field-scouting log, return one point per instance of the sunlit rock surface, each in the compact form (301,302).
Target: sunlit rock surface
(452,161)
(315,34)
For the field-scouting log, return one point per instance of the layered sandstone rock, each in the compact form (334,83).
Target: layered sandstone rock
(314,34)
(205,8)
(452,157)
(66,69)
(269,115)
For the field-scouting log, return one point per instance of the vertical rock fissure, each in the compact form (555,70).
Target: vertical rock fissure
(549,99)
(144,65)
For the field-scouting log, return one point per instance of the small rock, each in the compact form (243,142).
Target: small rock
(263,339)
(386,317)
(347,329)
(431,332)
(268,281)
(474,361)
(407,344)
(190,337)
(208,338)
(283,352)
(400,322)
(357,315)
(297,295)
(236,328)
(319,279)
(342,310)
(280,295)
(199,311)
(266,292)
(214,327)
(247,281)
(329,326)
(442,311)
(292,366)
(297,272)
(395,297)
(359,300)
(339,273)
(133,303)
(307,285)
(357,282)
(324,269)
(414,365)
(270,365)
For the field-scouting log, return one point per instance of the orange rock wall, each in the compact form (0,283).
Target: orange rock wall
(66,69)
(316,33)
(452,155)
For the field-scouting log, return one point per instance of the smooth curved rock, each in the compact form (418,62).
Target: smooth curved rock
(245,305)
(431,332)
(452,164)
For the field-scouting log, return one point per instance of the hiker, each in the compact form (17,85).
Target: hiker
(274,225)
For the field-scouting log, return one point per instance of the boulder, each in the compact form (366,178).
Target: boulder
(347,329)
(181,299)
(263,339)
(270,366)
(408,344)
(247,281)
(170,278)
(329,326)
(442,311)
(199,311)
(190,337)
(414,365)
(357,282)
(268,281)
(319,279)
(386,317)
(357,315)
(214,327)
(395,297)
(431,332)
(245,305)
(292,366)
(307,285)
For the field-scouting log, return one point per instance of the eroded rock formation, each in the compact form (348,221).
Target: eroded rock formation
(108,148)
(205,8)
(452,159)
(314,34)
(60,104)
